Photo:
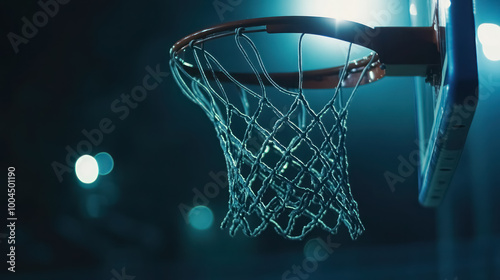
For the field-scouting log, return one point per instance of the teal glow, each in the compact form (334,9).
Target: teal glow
(105,162)
(312,247)
(201,217)
(95,205)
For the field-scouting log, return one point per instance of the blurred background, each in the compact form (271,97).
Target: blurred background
(64,94)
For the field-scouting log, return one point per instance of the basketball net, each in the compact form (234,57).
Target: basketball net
(291,175)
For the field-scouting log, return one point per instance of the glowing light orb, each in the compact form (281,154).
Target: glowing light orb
(105,163)
(489,36)
(492,52)
(201,217)
(86,169)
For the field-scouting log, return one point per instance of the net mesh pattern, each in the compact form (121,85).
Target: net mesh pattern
(287,167)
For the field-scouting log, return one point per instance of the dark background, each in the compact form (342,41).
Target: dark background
(65,79)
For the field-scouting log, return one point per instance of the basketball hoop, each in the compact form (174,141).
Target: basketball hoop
(291,175)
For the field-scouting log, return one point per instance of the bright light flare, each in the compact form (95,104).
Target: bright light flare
(86,169)
(446,4)
(489,36)
(491,52)
(346,10)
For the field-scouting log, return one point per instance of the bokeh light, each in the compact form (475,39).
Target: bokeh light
(489,36)
(492,52)
(86,169)
(201,217)
(105,162)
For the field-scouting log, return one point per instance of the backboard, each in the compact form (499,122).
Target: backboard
(445,111)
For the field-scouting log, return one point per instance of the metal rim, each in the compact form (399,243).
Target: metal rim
(413,48)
